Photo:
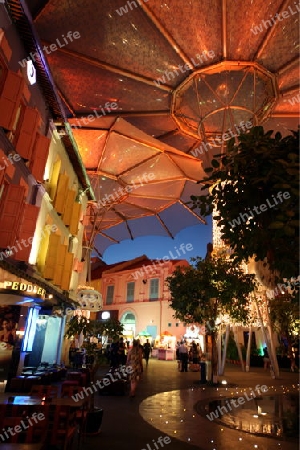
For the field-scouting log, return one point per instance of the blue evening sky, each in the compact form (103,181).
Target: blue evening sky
(156,247)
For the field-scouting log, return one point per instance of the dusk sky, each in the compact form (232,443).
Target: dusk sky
(156,247)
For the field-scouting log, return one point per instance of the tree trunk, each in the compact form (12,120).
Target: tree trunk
(238,349)
(221,372)
(219,348)
(270,346)
(248,350)
(272,353)
(214,358)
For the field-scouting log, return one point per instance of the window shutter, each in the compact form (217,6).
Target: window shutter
(60,197)
(26,136)
(60,261)
(10,99)
(110,295)
(2,167)
(4,45)
(27,229)
(51,258)
(130,292)
(75,218)
(39,156)
(10,213)
(78,265)
(67,272)
(69,202)
(154,283)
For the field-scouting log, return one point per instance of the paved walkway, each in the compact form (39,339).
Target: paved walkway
(165,405)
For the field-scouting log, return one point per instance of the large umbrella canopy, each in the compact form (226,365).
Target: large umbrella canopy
(139,55)
(140,185)
(180,84)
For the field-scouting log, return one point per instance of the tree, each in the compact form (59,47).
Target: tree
(79,324)
(211,287)
(254,188)
(284,314)
(112,328)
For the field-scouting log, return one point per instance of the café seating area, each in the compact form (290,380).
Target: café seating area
(44,374)
(39,408)
(35,422)
(44,415)
(47,375)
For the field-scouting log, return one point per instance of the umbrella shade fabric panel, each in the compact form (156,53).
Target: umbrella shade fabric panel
(137,60)
(141,185)
(123,148)
(173,220)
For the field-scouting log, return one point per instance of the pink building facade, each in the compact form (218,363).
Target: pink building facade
(137,293)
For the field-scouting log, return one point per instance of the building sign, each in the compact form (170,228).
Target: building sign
(25,287)
(30,72)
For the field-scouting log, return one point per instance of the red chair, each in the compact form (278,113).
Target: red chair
(44,391)
(16,384)
(29,382)
(62,426)
(23,431)
(74,376)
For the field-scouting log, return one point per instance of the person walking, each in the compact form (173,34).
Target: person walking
(266,359)
(134,360)
(147,351)
(121,352)
(184,356)
(195,353)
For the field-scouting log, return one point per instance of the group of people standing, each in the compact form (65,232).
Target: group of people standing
(121,354)
(185,354)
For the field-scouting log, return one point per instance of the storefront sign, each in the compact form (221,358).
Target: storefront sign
(30,72)
(24,287)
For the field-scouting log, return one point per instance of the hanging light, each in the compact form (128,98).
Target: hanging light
(219,100)
(89,299)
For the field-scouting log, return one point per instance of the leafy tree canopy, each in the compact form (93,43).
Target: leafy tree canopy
(285,316)
(111,327)
(209,287)
(255,190)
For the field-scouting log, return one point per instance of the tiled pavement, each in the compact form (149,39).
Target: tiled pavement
(164,406)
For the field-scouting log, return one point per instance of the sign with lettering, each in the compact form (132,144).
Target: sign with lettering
(25,287)
(30,72)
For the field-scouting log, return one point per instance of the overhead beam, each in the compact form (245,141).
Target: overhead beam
(284,115)
(224,28)
(113,69)
(168,37)
(270,32)
(37,11)
(291,90)
(165,112)
(288,65)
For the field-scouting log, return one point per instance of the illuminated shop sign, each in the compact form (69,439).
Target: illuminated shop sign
(30,72)
(24,287)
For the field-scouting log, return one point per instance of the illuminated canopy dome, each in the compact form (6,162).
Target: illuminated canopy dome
(222,96)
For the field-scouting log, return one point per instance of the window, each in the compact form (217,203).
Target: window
(154,283)
(130,292)
(110,295)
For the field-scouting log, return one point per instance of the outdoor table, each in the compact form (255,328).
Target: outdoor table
(8,399)
(30,400)
(6,446)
